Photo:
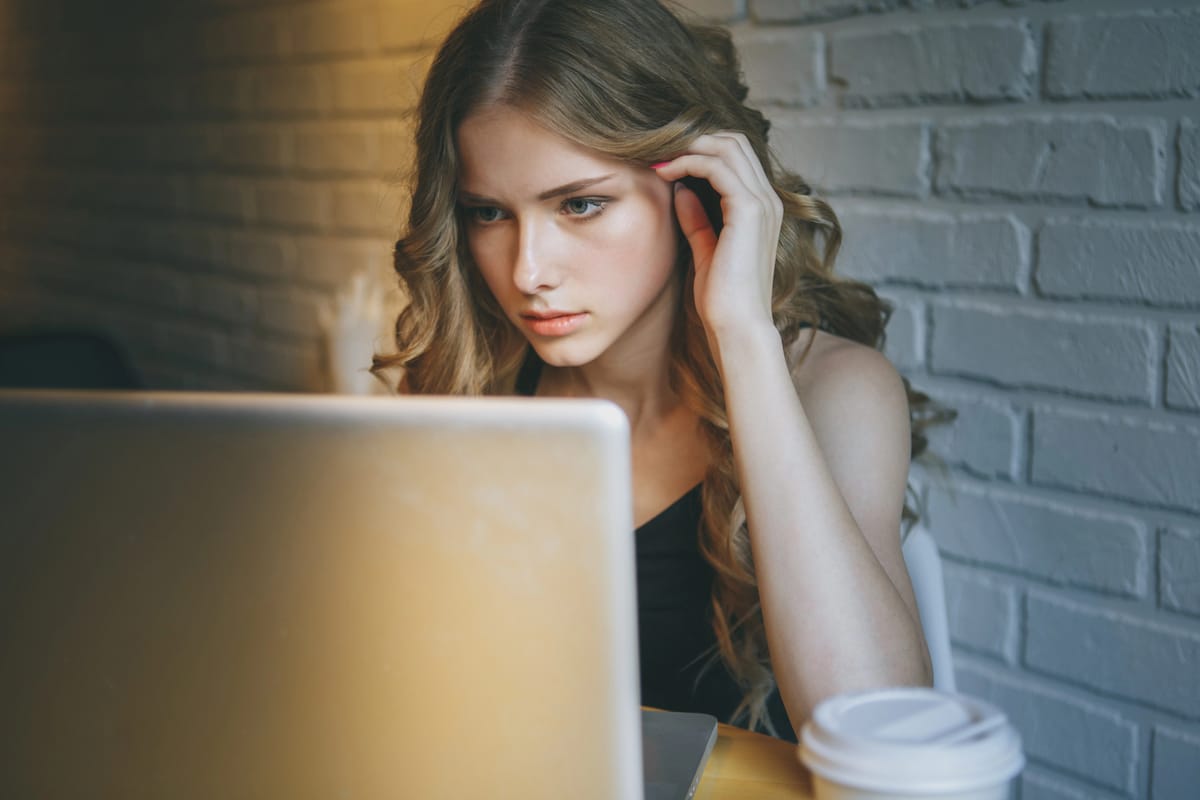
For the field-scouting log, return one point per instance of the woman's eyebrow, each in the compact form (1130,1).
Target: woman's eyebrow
(558,191)
(467,197)
(573,186)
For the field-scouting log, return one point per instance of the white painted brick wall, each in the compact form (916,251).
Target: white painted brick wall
(1020,177)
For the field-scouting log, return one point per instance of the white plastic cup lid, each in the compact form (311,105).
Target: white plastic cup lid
(911,741)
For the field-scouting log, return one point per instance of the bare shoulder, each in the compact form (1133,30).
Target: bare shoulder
(839,381)
(857,405)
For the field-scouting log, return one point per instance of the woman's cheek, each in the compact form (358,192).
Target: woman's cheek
(482,246)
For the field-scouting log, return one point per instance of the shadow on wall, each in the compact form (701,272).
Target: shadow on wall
(64,361)
(192,179)
(88,93)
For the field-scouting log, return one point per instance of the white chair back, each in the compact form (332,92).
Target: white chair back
(924,564)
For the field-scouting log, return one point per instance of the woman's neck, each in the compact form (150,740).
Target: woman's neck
(634,373)
(639,383)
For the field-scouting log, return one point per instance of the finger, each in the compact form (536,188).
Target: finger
(720,175)
(694,223)
(735,150)
(748,155)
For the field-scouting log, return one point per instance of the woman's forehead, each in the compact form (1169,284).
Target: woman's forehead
(500,147)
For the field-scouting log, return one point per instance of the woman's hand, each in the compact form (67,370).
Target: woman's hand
(350,322)
(734,269)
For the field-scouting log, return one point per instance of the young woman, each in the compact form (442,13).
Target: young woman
(596,214)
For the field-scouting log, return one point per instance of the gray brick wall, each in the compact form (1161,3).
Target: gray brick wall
(1189,165)
(995,61)
(1083,738)
(1087,56)
(1179,571)
(1183,367)
(1099,159)
(1117,259)
(1176,766)
(1022,180)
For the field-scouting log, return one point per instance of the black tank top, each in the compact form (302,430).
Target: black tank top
(679,671)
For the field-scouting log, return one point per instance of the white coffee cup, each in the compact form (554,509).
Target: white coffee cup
(906,743)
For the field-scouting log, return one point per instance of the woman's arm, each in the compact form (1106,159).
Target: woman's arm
(821,456)
(823,479)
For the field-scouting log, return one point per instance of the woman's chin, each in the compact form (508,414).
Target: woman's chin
(561,353)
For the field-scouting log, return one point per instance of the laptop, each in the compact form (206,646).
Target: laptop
(269,596)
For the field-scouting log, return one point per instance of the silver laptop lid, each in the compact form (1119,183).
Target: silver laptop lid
(264,596)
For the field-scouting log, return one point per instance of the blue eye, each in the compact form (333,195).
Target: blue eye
(583,206)
(484,214)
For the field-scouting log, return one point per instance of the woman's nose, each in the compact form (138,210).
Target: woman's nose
(534,269)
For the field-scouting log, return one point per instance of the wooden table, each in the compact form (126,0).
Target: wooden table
(751,766)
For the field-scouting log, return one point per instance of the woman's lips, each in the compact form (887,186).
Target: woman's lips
(553,323)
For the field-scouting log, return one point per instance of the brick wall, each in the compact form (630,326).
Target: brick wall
(1022,180)
(191,177)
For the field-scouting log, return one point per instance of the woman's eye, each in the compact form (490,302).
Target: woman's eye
(484,214)
(583,206)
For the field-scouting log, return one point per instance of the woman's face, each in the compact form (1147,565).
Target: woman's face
(579,249)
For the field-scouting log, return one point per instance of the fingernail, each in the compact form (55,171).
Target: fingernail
(659,165)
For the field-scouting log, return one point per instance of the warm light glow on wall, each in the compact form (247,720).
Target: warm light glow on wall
(192,182)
